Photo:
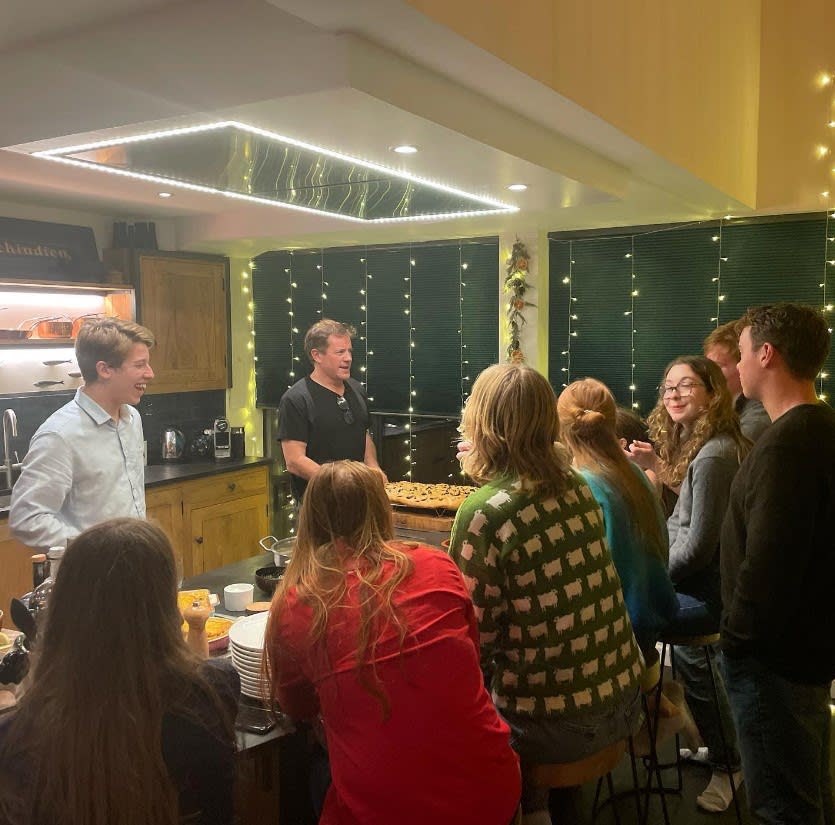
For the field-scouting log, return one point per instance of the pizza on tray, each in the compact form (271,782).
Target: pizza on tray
(427,496)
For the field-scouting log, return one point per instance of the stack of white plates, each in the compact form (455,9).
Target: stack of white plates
(246,642)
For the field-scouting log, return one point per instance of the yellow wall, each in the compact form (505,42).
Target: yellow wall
(679,77)
(798,43)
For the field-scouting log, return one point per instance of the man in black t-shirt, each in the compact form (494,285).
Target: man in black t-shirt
(778,564)
(324,417)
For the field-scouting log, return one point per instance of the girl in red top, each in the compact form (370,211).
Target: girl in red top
(380,638)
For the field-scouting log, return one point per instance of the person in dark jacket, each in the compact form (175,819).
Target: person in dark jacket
(778,565)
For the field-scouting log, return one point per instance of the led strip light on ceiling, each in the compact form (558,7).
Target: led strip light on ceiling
(62,155)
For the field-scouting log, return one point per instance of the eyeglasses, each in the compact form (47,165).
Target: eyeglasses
(342,403)
(684,389)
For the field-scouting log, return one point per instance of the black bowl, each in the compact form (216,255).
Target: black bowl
(268,577)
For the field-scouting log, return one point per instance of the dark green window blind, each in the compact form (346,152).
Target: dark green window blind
(418,343)
(388,328)
(688,279)
(273,326)
(675,303)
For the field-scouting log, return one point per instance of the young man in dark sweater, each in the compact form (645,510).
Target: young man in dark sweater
(778,569)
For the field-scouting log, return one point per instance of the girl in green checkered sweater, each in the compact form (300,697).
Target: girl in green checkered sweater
(556,641)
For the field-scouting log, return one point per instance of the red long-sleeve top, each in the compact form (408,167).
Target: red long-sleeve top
(443,753)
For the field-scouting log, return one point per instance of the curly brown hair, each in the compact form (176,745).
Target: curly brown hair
(675,449)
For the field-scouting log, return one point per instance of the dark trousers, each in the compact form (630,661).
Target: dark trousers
(784,738)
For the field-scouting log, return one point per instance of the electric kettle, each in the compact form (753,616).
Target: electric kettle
(173,444)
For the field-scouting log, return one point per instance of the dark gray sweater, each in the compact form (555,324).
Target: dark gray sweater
(696,521)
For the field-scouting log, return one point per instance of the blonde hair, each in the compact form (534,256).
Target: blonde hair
(718,416)
(511,420)
(345,526)
(109,340)
(587,415)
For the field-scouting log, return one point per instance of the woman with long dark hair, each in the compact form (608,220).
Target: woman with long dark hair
(121,724)
(700,447)
(380,638)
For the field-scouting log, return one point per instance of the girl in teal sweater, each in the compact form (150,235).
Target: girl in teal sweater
(635,527)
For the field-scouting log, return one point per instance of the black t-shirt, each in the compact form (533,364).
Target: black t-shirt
(309,413)
(778,549)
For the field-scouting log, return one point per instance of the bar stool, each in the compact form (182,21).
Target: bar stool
(651,685)
(706,642)
(596,766)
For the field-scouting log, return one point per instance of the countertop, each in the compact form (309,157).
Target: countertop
(159,474)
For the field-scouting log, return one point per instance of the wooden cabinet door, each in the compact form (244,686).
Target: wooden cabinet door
(15,570)
(183,301)
(164,507)
(227,532)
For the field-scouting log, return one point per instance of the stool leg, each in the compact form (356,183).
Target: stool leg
(611,786)
(635,784)
(651,762)
(709,661)
(677,764)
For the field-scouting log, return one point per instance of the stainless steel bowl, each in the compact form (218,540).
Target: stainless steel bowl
(282,549)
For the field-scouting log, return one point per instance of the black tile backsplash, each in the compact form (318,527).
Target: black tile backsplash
(188,411)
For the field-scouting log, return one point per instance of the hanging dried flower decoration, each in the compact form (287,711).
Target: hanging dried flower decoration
(516,285)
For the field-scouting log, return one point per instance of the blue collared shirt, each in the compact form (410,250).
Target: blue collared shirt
(82,468)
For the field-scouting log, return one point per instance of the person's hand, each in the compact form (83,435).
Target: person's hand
(463,448)
(643,454)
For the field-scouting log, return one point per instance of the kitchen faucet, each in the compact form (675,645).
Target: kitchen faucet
(9,431)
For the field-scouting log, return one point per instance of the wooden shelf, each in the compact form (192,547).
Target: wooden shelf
(38,342)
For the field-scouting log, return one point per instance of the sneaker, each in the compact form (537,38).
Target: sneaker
(717,796)
(700,756)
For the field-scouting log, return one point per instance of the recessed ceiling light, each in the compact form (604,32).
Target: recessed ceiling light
(164,194)
(405,149)
(518,187)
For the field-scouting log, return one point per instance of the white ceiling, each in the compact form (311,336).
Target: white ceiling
(356,76)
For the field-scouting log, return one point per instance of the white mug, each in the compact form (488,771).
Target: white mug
(237,596)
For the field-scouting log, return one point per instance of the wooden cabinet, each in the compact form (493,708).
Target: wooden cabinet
(164,507)
(213,521)
(184,300)
(15,570)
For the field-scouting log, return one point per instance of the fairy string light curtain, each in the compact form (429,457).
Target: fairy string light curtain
(422,351)
(623,303)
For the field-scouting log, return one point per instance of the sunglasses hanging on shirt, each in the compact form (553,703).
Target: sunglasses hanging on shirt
(342,403)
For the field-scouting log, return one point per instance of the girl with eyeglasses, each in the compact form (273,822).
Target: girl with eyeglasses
(699,448)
